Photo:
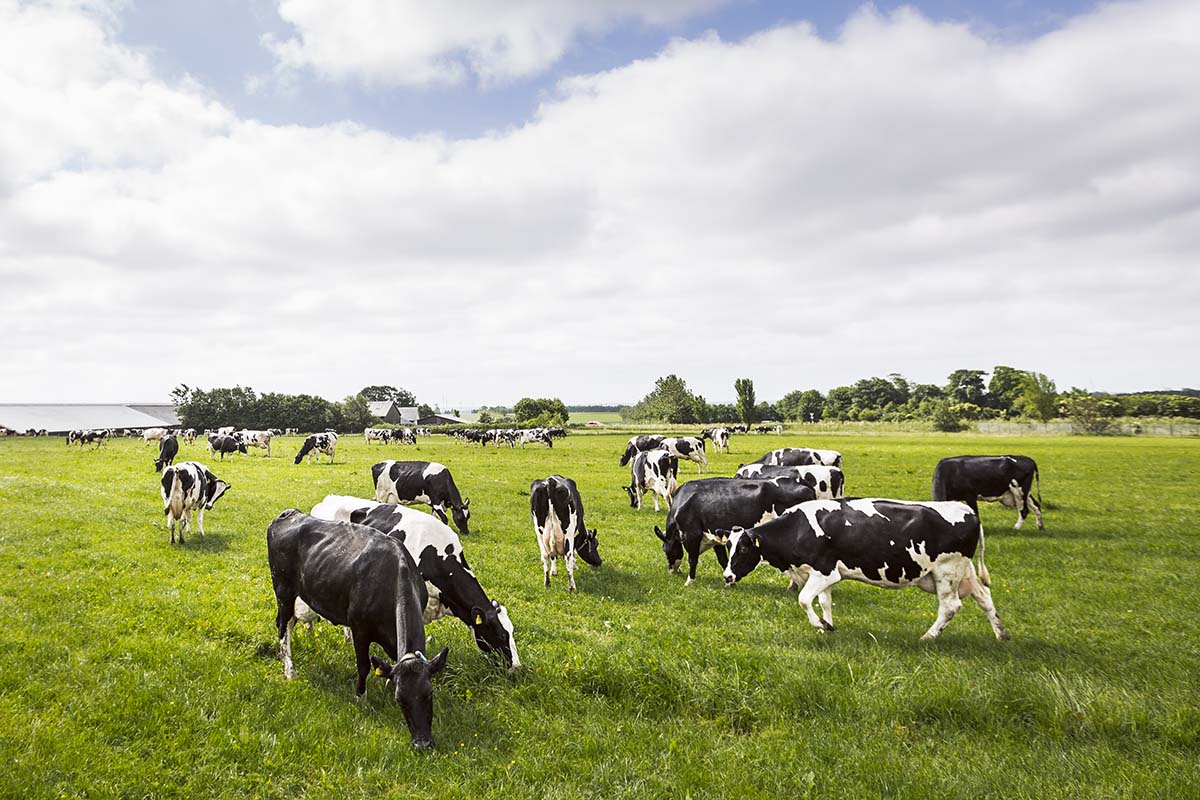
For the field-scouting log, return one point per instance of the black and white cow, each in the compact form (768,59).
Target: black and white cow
(188,435)
(422,482)
(690,448)
(800,457)
(226,430)
(221,444)
(438,553)
(404,436)
(534,436)
(381,435)
(887,543)
(315,444)
(655,472)
(259,439)
(153,435)
(718,436)
(354,576)
(558,523)
(186,487)
(96,438)
(1007,479)
(828,482)
(703,507)
(291,431)
(168,448)
(639,444)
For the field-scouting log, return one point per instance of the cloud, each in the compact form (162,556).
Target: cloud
(907,196)
(410,43)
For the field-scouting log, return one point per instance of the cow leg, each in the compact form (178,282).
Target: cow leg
(362,656)
(816,585)
(200,520)
(693,555)
(171,525)
(948,604)
(441,512)
(569,561)
(826,606)
(1031,501)
(285,620)
(1021,504)
(656,509)
(982,596)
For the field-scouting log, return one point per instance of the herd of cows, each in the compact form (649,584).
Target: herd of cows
(383,570)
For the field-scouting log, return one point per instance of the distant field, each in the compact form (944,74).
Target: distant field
(130,667)
(608,417)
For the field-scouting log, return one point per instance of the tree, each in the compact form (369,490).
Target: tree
(944,418)
(1091,413)
(670,401)
(425,410)
(1039,397)
(485,417)
(402,397)
(920,392)
(839,403)
(966,386)
(877,393)
(356,413)
(545,408)
(745,399)
(811,406)
(1006,387)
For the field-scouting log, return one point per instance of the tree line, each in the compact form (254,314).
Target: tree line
(242,407)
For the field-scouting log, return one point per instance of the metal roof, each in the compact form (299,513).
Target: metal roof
(61,417)
(164,411)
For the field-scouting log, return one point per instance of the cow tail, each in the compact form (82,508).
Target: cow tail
(176,500)
(1038,480)
(984,577)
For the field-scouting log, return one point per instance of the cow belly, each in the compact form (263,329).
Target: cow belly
(435,608)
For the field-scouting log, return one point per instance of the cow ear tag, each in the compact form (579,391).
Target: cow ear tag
(479,619)
(379,672)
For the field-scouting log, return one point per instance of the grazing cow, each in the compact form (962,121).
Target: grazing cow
(702,507)
(557,511)
(438,553)
(687,447)
(220,444)
(260,439)
(291,431)
(188,435)
(638,444)
(381,435)
(97,437)
(718,436)
(315,444)
(404,436)
(557,433)
(153,435)
(534,435)
(421,482)
(356,577)
(187,487)
(800,457)
(226,430)
(654,471)
(828,482)
(887,543)
(168,448)
(1007,479)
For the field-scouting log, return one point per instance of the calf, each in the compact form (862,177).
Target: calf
(718,436)
(638,444)
(188,487)
(315,444)
(421,482)
(654,471)
(887,543)
(557,511)
(168,448)
(221,444)
(355,576)
(828,482)
(260,439)
(687,447)
(439,556)
(702,507)
(800,457)
(1007,479)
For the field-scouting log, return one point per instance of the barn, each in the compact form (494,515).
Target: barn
(388,411)
(63,417)
(442,419)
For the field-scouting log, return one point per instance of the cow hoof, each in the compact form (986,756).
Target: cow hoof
(289,673)
(828,626)
(929,637)
(1004,636)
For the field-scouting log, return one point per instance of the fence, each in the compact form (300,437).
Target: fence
(1122,428)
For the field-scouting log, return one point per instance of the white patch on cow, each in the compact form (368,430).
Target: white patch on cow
(949,510)
(433,468)
(767,516)
(421,498)
(866,506)
(506,623)
(810,509)
(337,507)
(918,553)
(883,572)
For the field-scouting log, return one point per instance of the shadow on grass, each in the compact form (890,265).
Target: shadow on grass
(208,543)
(605,581)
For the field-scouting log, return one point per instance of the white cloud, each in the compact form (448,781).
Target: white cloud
(908,196)
(412,43)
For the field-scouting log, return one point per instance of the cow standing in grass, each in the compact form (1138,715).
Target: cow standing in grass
(557,511)
(187,487)
(1005,479)
(422,482)
(168,448)
(315,445)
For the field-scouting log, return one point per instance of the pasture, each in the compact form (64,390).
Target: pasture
(131,667)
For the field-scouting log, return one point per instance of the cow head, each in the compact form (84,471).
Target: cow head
(412,677)
(588,548)
(632,492)
(494,632)
(215,489)
(744,553)
(461,514)
(672,549)
(630,452)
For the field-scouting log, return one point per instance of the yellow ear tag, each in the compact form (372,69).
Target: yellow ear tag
(379,672)
(478,619)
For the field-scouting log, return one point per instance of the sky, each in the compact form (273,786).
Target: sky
(481,201)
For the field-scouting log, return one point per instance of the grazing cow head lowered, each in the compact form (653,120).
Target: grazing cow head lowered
(461,515)
(672,548)
(588,547)
(412,677)
(493,631)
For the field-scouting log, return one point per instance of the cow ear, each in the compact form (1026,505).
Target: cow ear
(659,533)
(439,662)
(382,668)
(476,615)
(466,502)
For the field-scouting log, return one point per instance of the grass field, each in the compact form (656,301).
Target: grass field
(130,667)
(607,417)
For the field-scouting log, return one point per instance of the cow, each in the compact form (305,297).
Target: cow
(828,482)
(422,482)
(703,507)
(291,431)
(219,444)
(800,457)
(887,543)
(534,436)
(188,435)
(381,435)
(557,511)
(186,487)
(637,444)
(97,437)
(226,430)
(718,436)
(1007,479)
(557,433)
(357,577)
(168,448)
(315,444)
(656,472)
(687,447)
(260,439)
(153,435)
(403,436)
(438,553)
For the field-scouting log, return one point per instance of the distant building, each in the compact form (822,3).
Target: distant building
(63,417)
(388,411)
(442,419)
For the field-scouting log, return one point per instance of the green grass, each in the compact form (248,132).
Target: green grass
(130,667)
(607,417)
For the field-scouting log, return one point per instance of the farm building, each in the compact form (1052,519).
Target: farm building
(388,411)
(63,417)
(441,419)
